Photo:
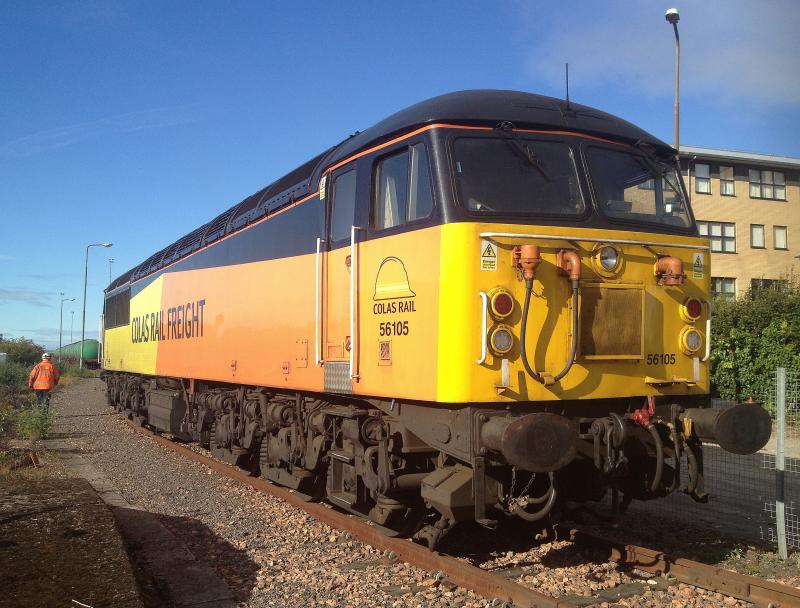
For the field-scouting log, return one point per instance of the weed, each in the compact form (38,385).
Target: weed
(34,423)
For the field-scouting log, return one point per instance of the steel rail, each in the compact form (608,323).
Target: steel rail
(749,588)
(491,586)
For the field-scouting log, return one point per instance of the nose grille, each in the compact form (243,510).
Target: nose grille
(611,321)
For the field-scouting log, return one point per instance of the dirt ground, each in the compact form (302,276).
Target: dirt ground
(59,542)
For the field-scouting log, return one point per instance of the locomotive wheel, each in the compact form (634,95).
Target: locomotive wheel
(310,487)
(404,522)
(237,458)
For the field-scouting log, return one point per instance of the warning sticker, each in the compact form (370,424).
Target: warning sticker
(488,255)
(698,268)
(322,188)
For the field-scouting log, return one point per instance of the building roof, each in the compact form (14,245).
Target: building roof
(755,158)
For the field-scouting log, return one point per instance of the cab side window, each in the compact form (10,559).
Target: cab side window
(403,190)
(344,205)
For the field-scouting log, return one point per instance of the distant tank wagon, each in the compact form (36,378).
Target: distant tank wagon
(489,304)
(72,353)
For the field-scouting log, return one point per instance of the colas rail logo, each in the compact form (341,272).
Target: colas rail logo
(393,291)
(175,323)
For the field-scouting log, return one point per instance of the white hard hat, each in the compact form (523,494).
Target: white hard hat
(45,356)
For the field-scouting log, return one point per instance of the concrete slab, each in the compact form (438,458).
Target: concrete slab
(186,581)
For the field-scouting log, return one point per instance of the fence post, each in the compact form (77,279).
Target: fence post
(780,512)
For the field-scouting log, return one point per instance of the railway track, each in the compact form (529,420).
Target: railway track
(496,585)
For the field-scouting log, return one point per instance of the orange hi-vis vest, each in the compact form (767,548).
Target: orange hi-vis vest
(44,376)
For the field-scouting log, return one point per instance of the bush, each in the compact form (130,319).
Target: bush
(751,337)
(14,385)
(22,351)
(34,423)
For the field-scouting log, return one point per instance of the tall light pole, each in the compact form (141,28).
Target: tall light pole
(85,283)
(61,320)
(673,17)
(110,261)
(71,321)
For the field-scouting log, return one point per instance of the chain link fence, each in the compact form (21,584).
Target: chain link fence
(745,491)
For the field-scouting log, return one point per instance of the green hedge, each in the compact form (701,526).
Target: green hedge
(751,337)
(21,350)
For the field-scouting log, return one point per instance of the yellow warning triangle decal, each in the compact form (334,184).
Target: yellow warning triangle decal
(488,252)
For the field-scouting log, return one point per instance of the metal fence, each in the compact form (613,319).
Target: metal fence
(753,498)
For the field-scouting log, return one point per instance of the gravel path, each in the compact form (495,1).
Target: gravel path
(271,554)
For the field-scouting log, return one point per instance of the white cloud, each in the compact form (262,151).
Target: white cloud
(34,298)
(737,50)
(6,258)
(52,139)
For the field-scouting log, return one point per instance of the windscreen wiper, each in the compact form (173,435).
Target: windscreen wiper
(653,161)
(530,156)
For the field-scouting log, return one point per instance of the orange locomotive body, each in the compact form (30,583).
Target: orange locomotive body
(486,286)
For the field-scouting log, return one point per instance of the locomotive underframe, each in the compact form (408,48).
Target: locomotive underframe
(413,467)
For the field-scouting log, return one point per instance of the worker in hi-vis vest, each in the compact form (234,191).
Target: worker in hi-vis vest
(43,377)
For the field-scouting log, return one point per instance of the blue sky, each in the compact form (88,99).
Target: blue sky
(135,122)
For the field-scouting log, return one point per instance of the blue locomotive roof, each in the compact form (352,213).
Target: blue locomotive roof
(478,107)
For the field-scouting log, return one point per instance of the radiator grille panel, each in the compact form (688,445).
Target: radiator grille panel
(611,321)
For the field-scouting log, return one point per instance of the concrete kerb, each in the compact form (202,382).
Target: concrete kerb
(187,581)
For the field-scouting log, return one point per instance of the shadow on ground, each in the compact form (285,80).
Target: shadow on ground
(179,561)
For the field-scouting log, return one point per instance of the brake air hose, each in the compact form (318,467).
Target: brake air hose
(574,347)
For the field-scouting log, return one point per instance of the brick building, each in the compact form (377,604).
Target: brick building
(749,207)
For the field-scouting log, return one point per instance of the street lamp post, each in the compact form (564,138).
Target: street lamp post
(110,261)
(85,283)
(61,320)
(71,322)
(673,17)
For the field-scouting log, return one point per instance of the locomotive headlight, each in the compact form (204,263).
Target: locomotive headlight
(500,303)
(609,258)
(501,339)
(691,340)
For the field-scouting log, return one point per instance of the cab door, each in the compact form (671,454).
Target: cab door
(341,289)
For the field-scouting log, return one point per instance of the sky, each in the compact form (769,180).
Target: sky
(135,122)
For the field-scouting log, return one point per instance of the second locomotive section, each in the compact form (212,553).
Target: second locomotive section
(472,308)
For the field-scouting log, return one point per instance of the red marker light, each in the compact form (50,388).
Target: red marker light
(502,304)
(694,308)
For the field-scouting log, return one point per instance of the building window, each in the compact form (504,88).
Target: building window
(727,185)
(767,184)
(779,236)
(721,234)
(702,179)
(757,285)
(757,236)
(723,287)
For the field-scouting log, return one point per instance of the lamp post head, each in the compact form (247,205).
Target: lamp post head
(106,244)
(672,16)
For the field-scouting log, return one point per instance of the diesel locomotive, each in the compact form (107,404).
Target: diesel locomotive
(490,303)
